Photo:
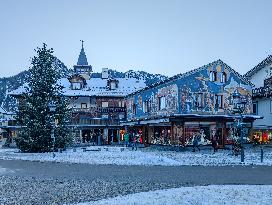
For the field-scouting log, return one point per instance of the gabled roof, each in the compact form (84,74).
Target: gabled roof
(179,76)
(258,67)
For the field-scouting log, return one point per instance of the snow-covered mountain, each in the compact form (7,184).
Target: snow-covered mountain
(8,84)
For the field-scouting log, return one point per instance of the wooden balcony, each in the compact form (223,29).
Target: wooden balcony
(99,110)
(95,121)
(262,92)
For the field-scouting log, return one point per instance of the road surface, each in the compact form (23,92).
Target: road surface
(26,182)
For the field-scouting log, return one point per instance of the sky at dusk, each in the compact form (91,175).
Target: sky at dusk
(166,37)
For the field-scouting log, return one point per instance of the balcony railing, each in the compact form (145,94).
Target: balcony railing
(99,110)
(98,122)
(262,92)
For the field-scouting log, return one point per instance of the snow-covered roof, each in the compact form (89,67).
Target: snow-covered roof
(96,87)
(258,67)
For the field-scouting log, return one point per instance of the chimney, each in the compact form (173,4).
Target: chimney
(105,73)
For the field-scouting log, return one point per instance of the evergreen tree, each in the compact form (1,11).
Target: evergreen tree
(34,114)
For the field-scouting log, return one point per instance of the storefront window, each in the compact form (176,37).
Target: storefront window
(162,136)
(261,136)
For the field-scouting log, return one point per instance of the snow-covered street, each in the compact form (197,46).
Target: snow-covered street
(204,195)
(145,156)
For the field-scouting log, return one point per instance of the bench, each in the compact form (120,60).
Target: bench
(90,149)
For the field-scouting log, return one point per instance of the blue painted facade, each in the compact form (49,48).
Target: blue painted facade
(207,91)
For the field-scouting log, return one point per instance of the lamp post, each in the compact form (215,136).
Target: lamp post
(52,109)
(239,107)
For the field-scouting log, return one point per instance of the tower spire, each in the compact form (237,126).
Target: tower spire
(82,59)
(82,43)
(82,67)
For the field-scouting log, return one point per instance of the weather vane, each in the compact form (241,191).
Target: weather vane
(82,42)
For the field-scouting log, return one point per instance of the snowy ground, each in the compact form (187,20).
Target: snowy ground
(144,156)
(212,194)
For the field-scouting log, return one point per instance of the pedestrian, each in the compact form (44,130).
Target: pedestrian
(214,145)
(126,138)
(195,143)
(134,143)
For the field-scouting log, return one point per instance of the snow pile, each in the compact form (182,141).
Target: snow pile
(147,157)
(213,194)
(107,155)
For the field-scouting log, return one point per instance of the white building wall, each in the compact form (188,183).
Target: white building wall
(265,110)
(258,78)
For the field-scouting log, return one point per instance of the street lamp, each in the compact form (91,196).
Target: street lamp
(52,108)
(239,107)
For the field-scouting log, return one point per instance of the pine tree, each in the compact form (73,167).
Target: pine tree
(34,114)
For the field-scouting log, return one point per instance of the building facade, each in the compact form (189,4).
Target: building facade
(197,103)
(261,77)
(97,104)
(7,124)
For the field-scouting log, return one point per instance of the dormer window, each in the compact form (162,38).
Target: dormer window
(76,86)
(213,76)
(77,82)
(112,84)
(223,77)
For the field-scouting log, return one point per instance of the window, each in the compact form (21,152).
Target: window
(162,103)
(146,106)
(134,109)
(83,105)
(219,101)
(123,103)
(93,102)
(213,76)
(271,106)
(113,85)
(105,104)
(121,116)
(255,108)
(76,86)
(200,100)
(223,77)
(195,100)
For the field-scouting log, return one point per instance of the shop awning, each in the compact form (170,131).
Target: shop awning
(215,117)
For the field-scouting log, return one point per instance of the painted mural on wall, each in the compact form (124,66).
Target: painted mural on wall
(207,90)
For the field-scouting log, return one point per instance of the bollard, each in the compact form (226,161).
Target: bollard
(262,154)
(74,149)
